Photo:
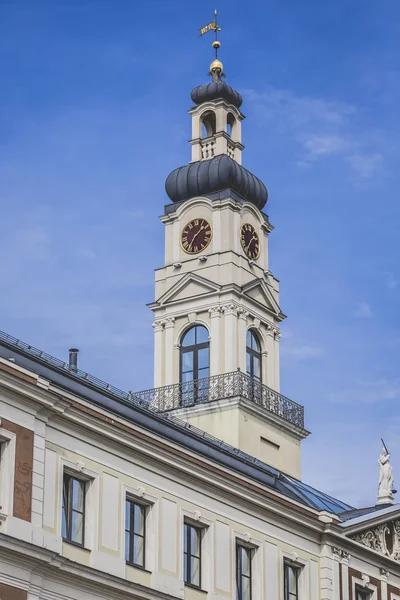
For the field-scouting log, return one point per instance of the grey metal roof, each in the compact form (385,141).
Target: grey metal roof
(214,91)
(205,177)
(124,404)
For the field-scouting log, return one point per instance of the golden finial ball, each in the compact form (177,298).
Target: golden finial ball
(216,44)
(216,64)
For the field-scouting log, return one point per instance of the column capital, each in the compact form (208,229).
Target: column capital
(230,309)
(169,322)
(277,334)
(384,574)
(345,557)
(158,325)
(270,329)
(337,554)
(214,311)
(242,313)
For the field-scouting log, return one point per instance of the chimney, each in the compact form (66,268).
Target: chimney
(73,359)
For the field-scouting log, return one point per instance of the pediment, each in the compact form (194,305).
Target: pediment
(189,286)
(259,291)
(383,538)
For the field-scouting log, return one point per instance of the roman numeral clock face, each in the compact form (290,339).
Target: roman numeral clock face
(250,241)
(196,236)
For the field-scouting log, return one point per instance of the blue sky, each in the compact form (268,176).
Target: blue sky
(93,117)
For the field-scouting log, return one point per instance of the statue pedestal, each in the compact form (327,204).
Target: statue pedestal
(385,499)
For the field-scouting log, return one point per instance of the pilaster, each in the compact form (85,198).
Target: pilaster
(242,330)
(230,324)
(169,326)
(158,327)
(215,321)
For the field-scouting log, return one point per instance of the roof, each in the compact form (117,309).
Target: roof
(137,411)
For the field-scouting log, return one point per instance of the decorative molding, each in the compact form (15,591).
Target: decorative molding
(230,309)
(197,515)
(345,558)
(158,325)
(384,574)
(337,553)
(214,311)
(384,538)
(242,313)
(169,322)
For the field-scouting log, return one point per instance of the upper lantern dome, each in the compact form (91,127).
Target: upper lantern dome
(217,88)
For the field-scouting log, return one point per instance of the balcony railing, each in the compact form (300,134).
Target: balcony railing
(219,387)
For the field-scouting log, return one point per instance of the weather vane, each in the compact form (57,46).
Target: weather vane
(216,66)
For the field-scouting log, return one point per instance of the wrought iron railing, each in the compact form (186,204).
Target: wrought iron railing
(170,397)
(218,387)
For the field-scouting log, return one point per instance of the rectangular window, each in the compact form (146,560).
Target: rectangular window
(362,594)
(192,555)
(243,573)
(135,533)
(73,509)
(291,575)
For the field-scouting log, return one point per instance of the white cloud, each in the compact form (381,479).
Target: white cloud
(319,145)
(322,128)
(363,311)
(365,165)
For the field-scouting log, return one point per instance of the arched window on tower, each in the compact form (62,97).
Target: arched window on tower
(195,364)
(253,356)
(230,124)
(209,125)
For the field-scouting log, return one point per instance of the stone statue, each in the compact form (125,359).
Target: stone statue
(385,494)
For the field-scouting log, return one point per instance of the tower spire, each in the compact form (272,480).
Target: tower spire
(216,67)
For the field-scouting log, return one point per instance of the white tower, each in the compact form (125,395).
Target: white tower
(217,314)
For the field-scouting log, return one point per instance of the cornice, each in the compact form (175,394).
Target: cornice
(59,569)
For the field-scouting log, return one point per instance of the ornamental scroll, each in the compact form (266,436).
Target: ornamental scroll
(384,538)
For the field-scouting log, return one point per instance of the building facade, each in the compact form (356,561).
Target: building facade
(191,490)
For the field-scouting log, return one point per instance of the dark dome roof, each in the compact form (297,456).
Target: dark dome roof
(207,176)
(214,90)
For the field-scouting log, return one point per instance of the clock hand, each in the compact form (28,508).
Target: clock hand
(248,245)
(195,236)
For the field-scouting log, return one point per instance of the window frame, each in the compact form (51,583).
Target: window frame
(132,502)
(187,574)
(239,575)
(7,472)
(254,354)
(195,349)
(68,520)
(362,593)
(297,568)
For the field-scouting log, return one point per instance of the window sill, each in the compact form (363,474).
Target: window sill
(195,587)
(76,545)
(129,564)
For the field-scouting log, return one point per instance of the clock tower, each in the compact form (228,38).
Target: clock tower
(217,311)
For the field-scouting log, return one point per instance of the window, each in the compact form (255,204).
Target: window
(135,533)
(192,555)
(208,125)
(243,573)
(253,356)
(291,575)
(362,594)
(195,364)
(230,124)
(73,509)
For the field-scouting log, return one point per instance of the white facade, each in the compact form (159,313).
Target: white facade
(118,459)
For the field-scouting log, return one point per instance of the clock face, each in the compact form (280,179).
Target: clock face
(250,241)
(196,236)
